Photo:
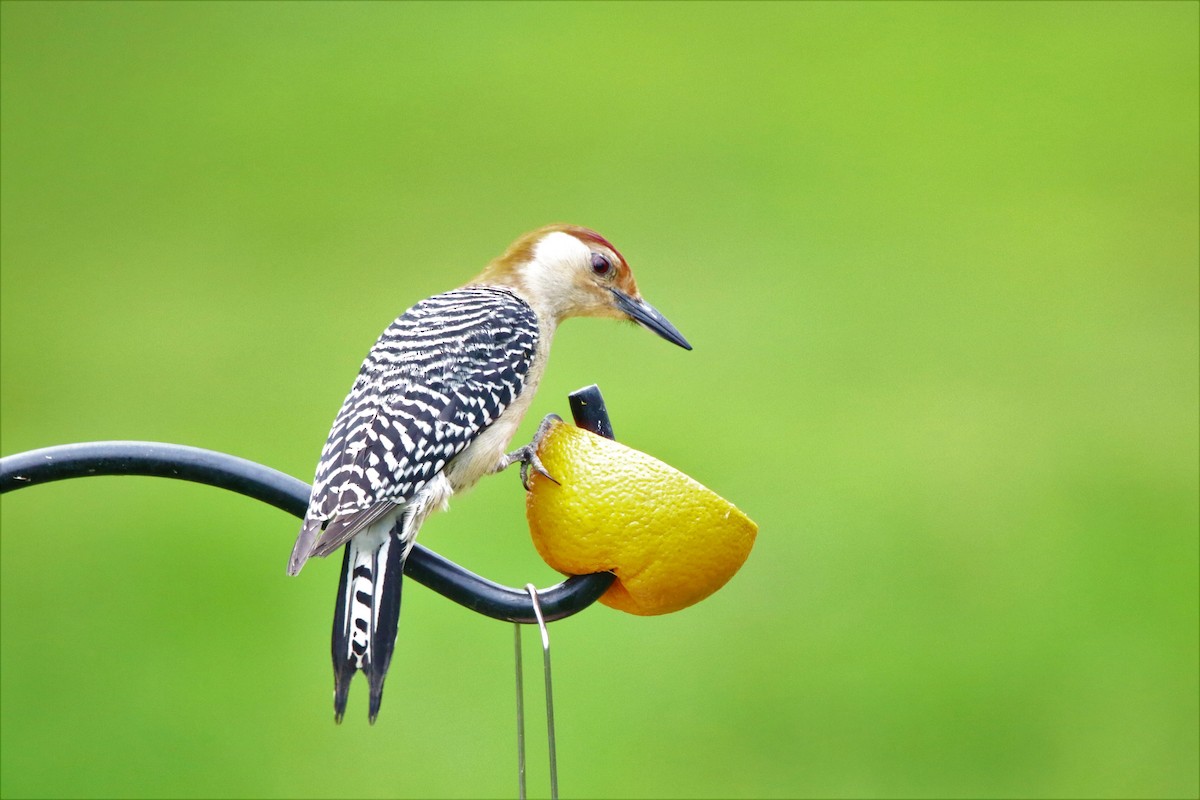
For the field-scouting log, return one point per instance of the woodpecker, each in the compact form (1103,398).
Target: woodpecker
(436,402)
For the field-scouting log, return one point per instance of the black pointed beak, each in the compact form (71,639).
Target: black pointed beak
(648,316)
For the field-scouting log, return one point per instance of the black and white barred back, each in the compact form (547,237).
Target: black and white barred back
(439,374)
(437,377)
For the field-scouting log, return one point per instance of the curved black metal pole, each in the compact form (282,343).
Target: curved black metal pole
(291,495)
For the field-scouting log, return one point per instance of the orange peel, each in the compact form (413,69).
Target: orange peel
(669,540)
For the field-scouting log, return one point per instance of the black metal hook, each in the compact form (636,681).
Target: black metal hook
(291,495)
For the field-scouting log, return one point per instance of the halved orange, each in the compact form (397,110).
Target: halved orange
(670,541)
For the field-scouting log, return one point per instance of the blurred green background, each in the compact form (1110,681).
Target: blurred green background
(939,263)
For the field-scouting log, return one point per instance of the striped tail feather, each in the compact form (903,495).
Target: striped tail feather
(368,612)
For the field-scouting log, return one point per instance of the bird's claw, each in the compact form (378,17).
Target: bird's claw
(528,455)
(531,461)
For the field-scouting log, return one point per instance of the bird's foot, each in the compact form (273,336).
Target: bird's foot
(528,456)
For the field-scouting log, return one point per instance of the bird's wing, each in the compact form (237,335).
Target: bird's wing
(440,374)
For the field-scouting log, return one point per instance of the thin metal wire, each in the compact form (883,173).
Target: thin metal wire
(520,713)
(537,610)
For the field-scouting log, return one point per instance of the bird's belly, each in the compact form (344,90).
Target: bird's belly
(486,454)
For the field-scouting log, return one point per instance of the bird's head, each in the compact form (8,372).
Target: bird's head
(568,271)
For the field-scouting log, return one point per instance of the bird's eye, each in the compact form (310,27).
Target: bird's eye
(600,264)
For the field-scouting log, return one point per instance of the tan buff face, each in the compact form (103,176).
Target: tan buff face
(569,271)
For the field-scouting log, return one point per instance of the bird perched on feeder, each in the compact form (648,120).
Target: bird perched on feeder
(433,409)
